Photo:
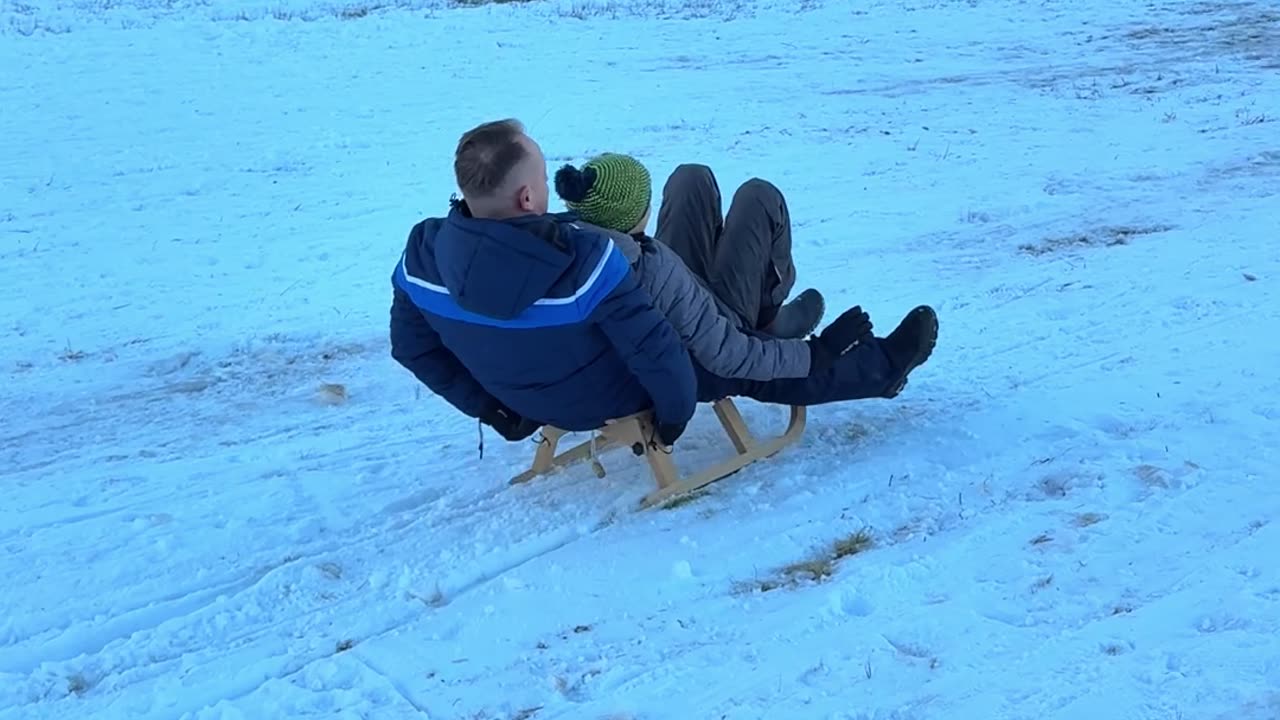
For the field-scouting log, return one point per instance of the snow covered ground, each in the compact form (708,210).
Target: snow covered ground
(1070,513)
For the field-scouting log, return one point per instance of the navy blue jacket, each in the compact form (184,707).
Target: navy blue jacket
(538,314)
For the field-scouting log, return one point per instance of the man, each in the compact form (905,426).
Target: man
(748,258)
(519,318)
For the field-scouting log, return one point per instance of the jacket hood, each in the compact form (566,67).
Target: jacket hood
(499,268)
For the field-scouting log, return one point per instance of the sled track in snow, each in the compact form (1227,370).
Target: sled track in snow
(148,627)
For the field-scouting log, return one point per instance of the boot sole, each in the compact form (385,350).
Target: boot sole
(924,351)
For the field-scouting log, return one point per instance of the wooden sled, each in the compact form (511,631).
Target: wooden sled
(636,431)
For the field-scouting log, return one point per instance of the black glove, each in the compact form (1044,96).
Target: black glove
(509,424)
(852,327)
(668,433)
(842,335)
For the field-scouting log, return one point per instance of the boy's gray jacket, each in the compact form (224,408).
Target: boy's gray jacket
(711,332)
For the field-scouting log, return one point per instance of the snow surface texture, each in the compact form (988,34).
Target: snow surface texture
(1070,512)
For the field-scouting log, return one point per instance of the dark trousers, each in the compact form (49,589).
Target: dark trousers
(744,257)
(745,260)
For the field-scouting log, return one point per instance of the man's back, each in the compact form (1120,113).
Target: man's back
(541,315)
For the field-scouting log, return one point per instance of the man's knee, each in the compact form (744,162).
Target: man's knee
(690,177)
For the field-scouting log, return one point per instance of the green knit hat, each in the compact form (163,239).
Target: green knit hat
(611,190)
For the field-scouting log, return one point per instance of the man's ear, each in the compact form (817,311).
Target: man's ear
(524,198)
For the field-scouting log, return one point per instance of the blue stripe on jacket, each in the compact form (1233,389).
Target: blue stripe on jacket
(547,312)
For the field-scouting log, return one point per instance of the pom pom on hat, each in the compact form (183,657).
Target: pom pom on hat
(573,185)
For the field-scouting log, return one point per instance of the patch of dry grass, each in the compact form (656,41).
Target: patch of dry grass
(1089,518)
(815,569)
(684,499)
(477,3)
(78,684)
(1105,237)
(28,18)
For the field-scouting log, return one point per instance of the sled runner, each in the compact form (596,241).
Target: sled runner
(636,432)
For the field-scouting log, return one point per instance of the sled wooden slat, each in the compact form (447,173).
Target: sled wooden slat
(734,426)
(754,451)
(636,431)
(545,459)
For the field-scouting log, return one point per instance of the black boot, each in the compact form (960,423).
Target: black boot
(800,317)
(909,346)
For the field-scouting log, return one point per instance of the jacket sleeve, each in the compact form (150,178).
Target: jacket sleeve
(650,347)
(417,346)
(715,340)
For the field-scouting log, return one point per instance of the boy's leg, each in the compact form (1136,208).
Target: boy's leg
(744,259)
(689,219)
(752,269)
